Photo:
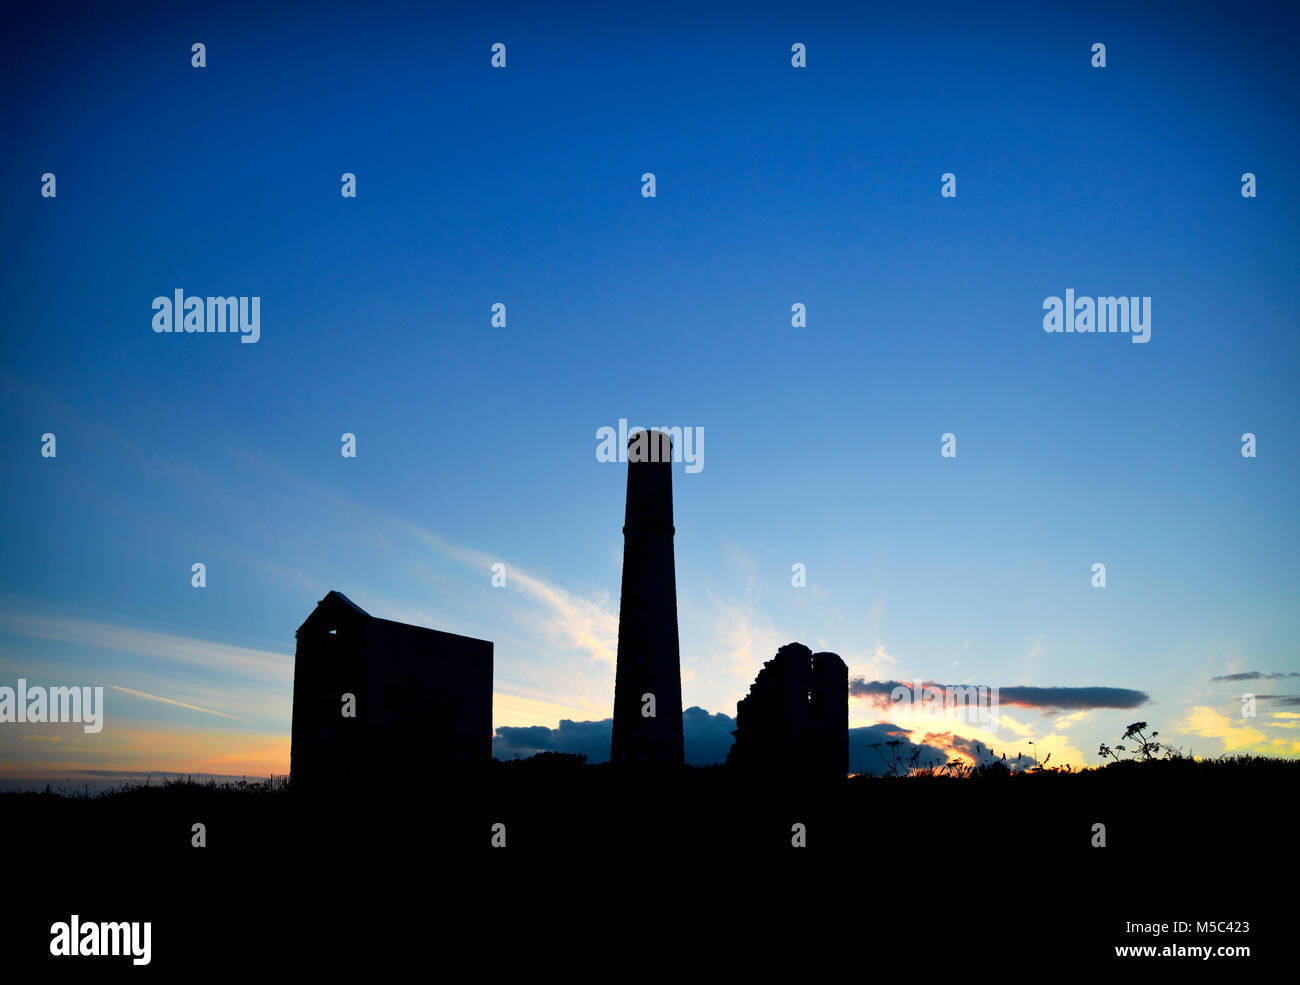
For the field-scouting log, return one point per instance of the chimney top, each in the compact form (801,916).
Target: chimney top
(650,446)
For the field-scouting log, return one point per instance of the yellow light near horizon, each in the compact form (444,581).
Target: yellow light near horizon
(1011,738)
(170,751)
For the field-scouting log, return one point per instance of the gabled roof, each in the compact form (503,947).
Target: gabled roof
(337,609)
(333,608)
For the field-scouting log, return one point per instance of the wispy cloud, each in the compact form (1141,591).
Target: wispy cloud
(586,625)
(745,636)
(259,665)
(178,704)
(564,619)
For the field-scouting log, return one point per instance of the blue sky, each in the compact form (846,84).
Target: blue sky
(477,444)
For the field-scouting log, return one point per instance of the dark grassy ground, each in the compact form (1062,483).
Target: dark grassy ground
(652,861)
(558,804)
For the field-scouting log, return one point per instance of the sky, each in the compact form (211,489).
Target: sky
(476,443)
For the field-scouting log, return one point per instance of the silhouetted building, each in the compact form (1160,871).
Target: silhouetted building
(649,662)
(422,700)
(796,717)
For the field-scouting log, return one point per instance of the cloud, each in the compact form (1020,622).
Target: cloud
(258,665)
(179,704)
(535,707)
(707,738)
(866,759)
(1254,675)
(591,739)
(970,749)
(567,620)
(876,660)
(932,750)
(583,624)
(1209,723)
(878,694)
(744,634)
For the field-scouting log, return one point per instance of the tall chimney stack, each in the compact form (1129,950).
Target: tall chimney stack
(649,661)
